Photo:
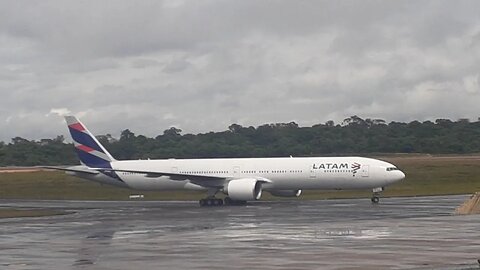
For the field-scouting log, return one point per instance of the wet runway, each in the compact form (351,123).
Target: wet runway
(400,233)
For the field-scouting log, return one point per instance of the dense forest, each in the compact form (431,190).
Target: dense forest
(353,136)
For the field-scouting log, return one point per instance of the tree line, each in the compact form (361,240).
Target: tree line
(353,136)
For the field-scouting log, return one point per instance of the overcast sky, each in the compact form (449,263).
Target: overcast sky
(203,65)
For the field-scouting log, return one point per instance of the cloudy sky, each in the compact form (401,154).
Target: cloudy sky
(203,65)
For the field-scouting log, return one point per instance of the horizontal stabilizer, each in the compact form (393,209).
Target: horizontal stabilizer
(70,169)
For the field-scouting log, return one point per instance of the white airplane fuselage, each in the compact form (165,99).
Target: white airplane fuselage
(330,173)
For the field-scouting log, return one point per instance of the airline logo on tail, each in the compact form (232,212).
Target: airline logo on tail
(89,150)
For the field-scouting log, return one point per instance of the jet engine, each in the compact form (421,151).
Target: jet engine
(286,193)
(245,189)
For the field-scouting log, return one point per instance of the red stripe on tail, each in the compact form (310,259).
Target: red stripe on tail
(85,148)
(77,126)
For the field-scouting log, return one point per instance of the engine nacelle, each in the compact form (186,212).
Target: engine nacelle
(245,189)
(286,193)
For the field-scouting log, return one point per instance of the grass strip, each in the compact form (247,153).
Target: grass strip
(16,213)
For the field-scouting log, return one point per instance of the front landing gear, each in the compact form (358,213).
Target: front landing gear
(376,195)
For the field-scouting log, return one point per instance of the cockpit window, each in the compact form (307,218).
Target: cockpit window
(392,169)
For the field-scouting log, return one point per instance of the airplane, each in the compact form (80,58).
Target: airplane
(240,179)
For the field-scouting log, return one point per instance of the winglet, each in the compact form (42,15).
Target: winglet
(89,150)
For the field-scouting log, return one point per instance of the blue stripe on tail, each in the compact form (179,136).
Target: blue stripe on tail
(92,161)
(85,139)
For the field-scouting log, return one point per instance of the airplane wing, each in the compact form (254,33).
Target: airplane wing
(201,180)
(71,169)
(173,176)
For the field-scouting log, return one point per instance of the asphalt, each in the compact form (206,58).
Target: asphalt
(399,233)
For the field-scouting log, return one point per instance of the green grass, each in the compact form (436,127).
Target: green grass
(52,185)
(426,175)
(436,175)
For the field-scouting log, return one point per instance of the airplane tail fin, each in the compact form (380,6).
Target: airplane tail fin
(90,152)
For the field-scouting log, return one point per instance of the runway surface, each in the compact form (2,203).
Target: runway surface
(400,233)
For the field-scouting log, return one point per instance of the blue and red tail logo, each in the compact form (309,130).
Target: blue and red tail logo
(89,150)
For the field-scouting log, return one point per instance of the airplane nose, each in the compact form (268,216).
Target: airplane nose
(401,175)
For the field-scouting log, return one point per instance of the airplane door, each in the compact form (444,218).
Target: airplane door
(364,171)
(312,173)
(236,170)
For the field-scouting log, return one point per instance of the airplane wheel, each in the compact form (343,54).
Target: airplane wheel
(375,199)
(210,202)
(227,201)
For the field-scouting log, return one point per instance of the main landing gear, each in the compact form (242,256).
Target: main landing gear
(376,195)
(211,201)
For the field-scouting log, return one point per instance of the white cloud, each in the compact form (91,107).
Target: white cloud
(471,84)
(59,112)
(202,65)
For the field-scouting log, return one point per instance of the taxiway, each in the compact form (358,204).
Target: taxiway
(399,233)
